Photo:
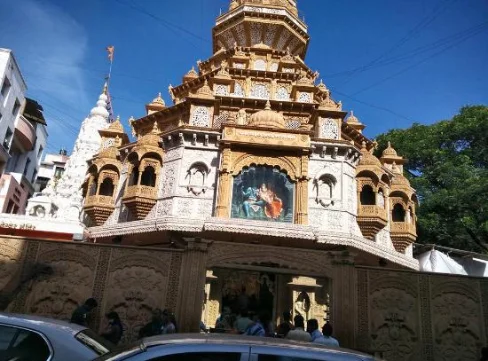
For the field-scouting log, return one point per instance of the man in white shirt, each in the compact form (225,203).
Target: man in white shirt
(299,333)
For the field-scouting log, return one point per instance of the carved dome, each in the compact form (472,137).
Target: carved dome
(389,151)
(352,119)
(367,158)
(267,118)
(192,73)
(399,179)
(157,103)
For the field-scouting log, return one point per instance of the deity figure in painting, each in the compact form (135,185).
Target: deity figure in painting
(262,199)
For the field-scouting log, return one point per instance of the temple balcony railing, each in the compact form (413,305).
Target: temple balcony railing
(140,191)
(99,200)
(371,219)
(403,228)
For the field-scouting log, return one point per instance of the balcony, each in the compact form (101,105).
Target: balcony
(25,133)
(402,235)
(140,200)
(99,208)
(371,220)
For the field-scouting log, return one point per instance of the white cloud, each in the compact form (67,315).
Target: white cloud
(50,46)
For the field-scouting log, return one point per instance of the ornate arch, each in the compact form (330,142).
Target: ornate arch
(291,167)
(237,254)
(369,174)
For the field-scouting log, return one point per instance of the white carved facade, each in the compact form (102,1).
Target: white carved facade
(63,198)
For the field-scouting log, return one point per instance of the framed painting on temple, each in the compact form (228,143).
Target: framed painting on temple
(263,193)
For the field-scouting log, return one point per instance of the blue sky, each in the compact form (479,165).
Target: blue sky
(392,62)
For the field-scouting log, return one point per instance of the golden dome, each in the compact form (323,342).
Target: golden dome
(116,127)
(267,118)
(389,151)
(367,157)
(157,103)
(321,86)
(205,91)
(192,73)
(352,119)
(398,179)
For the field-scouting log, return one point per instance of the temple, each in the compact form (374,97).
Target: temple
(258,167)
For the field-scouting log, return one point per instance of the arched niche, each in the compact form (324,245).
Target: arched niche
(196,176)
(398,213)
(324,185)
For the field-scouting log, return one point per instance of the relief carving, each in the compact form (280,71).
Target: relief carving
(394,319)
(456,314)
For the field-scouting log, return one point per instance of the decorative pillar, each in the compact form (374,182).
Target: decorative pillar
(191,290)
(223,198)
(302,201)
(223,194)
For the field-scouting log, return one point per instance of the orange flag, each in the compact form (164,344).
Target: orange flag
(110,51)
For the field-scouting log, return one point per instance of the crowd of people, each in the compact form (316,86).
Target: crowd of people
(260,325)
(162,322)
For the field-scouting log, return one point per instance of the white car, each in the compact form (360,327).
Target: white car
(218,347)
(31,338)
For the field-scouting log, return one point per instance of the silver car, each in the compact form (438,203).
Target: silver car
(215,347)
(31,338)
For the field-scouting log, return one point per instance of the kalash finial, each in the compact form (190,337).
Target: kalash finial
(268,105)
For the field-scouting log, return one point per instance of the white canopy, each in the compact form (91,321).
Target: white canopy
(438,262)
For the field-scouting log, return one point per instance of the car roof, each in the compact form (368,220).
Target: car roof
(42,324)
(238,340)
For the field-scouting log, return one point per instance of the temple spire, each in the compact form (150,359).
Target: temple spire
(65,194)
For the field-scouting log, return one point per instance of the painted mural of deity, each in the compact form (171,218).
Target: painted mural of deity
(263,193)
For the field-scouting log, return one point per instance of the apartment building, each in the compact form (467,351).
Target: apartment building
(23,137)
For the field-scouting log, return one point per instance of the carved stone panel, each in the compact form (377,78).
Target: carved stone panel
(70,284)
(456,314)
(136,285)
(394,315)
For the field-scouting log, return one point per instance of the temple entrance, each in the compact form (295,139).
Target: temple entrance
(263,291)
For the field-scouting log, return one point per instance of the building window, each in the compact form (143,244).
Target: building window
(107,187)
(26,168)
(201,117)
(148,177)
(329,129)
(34,175)
(260,64)
(39,153)
(10,206)
(260,91)
(367,196)
(58,172)
(398,213)
(6,87)
(282,93)
(7,139)
(16,108)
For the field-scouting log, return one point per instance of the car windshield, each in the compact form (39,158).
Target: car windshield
(97,344)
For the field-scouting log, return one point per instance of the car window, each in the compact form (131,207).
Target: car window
(28,345)
(94,342)
(7,335)
(200,356)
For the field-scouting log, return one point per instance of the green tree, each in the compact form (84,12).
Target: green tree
(447,165)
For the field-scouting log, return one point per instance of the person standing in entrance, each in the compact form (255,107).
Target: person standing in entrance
(299,333)
(81,314)
(286,326)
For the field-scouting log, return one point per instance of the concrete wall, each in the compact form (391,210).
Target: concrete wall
(402,315)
